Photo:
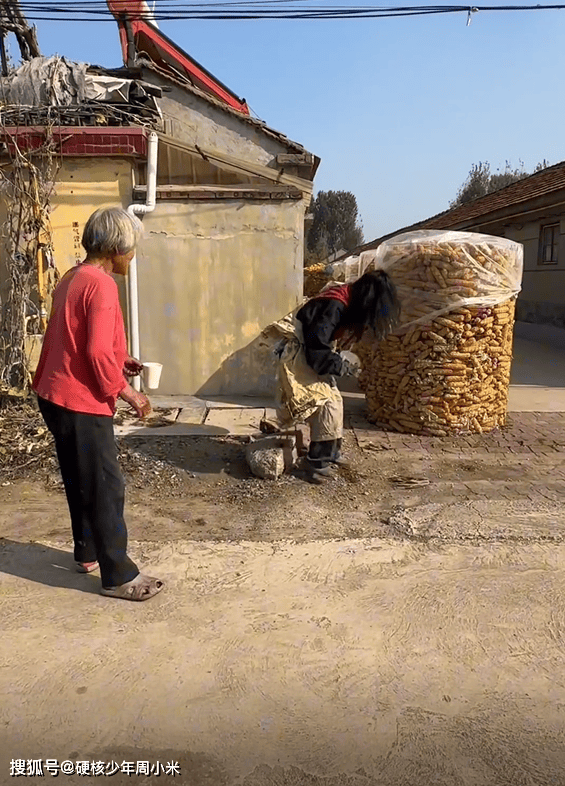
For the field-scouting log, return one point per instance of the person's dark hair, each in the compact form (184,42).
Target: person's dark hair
(374,305)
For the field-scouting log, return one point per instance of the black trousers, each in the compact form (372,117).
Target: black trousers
(321,454)
(95,489)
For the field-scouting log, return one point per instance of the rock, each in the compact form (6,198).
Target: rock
(267,463)
(401,522)
(269,457)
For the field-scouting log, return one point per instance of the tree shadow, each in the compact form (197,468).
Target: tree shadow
(45,565)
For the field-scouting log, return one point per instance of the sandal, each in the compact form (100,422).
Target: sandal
(86,567)
(140,588)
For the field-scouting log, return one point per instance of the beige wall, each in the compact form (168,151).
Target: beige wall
(83,185)
(211,276)
(547,286)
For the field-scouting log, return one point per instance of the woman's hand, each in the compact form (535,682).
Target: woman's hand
(132,367)
(137,401)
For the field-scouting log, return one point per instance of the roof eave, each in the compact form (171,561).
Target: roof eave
(260,125)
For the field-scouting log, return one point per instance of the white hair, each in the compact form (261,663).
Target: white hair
(111,230)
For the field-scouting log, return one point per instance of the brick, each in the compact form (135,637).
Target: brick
(545,450)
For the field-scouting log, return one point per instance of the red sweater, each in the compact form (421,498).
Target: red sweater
(81,367)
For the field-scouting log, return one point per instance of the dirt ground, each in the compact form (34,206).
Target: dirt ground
(200,488)
(400,625)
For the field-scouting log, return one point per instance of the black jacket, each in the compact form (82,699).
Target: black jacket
(320,318)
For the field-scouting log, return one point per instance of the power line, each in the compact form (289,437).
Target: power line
(165,10)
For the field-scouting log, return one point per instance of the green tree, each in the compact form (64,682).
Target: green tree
(481,180)
(336,225)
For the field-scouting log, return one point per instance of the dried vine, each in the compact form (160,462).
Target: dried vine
(26,182)
(12,20)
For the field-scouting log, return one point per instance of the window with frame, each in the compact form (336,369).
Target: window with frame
(549,244)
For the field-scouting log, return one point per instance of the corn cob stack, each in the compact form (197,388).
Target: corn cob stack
(451,374)
(315,279)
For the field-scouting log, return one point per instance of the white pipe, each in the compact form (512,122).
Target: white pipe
(148,207)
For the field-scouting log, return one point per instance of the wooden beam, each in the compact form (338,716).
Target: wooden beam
(295,159)
(3,54)
(131,53)
(233,164)
(243,191)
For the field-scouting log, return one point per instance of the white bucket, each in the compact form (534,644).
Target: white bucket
(151,375)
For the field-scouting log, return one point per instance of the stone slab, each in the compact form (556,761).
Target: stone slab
(174,430)
(239,402)
(194,413)
(173,402)
(236,421)
(286,444)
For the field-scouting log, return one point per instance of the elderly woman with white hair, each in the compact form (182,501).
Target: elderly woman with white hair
(81,373)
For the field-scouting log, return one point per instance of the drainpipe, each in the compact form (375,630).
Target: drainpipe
(148,207)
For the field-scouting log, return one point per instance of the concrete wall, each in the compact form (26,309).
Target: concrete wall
(193,119)
(83,184)
(542,299)
(211,276)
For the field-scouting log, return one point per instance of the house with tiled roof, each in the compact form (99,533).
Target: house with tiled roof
(530,211)
(222,196)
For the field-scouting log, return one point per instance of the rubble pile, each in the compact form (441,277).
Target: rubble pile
(27,451)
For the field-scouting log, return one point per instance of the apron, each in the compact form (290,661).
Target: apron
(300,391)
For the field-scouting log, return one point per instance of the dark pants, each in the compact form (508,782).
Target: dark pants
(321,454)
(95,489)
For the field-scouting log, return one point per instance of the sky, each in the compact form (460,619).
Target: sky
(397,109)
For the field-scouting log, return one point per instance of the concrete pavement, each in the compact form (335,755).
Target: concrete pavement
(537,385)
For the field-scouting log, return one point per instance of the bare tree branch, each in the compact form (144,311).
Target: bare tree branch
(12,20)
